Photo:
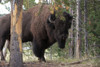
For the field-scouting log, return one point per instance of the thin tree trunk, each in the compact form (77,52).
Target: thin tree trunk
(71,48)
(85,31)
(77,50)
(16,33)
(72,40)
(70,45)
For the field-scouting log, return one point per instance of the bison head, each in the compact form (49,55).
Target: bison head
(60,27)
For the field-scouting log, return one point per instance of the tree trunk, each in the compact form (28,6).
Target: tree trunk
(71,35)
(71,48)
(77,50)
(85,31)
(70,45)
(16,33)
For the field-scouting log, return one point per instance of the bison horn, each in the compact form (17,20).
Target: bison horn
(52,18)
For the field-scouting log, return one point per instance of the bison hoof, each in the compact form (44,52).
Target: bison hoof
(42,60)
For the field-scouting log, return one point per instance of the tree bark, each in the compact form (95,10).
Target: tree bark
(85,31)
(77,50)
(71,35)
(16,33)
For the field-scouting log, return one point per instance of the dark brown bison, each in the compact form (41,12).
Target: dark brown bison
(42,28)
(5,30)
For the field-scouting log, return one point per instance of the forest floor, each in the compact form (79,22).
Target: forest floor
(55,64)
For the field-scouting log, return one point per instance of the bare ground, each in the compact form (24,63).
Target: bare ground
(50,64)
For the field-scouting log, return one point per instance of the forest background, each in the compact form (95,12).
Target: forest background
(84,35)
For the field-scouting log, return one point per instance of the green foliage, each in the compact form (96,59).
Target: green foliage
(93,27)
(28,3)
(60,7)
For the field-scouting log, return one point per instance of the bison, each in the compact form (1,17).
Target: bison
(42,28)
(5,30)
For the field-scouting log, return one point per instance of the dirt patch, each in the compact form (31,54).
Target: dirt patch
(48,64)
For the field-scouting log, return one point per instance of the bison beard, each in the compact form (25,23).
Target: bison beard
(41,28)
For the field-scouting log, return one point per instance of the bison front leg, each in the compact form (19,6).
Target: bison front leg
(41,58)
(2,41)
(39,52)
(7,45)
(2,56)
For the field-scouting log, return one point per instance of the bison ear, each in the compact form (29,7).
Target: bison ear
(67,16)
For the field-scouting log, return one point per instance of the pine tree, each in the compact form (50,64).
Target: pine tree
(85,31)
(77,50)
(16,30)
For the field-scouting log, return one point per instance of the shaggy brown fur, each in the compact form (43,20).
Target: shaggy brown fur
(43,35)
(37,27)
(4,32)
